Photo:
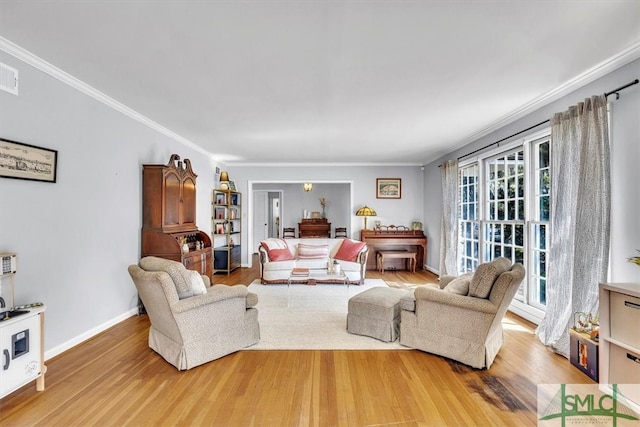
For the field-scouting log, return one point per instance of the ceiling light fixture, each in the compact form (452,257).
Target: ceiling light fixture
(307,186)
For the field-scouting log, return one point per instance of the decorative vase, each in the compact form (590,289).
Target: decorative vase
(324,214)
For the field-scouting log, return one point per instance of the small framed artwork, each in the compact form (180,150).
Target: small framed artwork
(388,188)
(24,161)
(232,186)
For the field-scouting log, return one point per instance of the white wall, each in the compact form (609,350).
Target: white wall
(295,200)
(390,211)
(625,143)
(75,238)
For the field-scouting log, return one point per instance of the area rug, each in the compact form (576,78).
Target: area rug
(304,317)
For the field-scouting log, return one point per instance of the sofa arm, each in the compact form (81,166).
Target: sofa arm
(362,256)
(206,280)
(264,257)
(215,293)
(431,293)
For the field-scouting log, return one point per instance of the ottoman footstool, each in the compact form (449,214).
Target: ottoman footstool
(376,313)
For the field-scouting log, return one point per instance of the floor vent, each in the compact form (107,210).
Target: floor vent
(8,79)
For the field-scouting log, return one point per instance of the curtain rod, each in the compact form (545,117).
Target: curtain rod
(614,91)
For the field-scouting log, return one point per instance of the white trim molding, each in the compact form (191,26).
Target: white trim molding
(42,65)
(599,70)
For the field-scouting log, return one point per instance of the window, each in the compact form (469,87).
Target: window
(504,211)
(469,224)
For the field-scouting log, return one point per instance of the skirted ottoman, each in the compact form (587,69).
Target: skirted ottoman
(376,313)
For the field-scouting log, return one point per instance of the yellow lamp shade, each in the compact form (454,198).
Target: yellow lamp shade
(366,211)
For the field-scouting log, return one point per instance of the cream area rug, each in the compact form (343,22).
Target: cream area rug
(304,317)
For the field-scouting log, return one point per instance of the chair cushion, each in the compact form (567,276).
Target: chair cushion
(485,275)
(277,249)
(313,251)
(197,283)
(459,285)
(179,274)
(349,250)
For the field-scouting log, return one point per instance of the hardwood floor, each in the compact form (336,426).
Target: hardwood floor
(114,379)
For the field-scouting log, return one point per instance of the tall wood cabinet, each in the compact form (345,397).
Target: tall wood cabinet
(227,232)
(169,216)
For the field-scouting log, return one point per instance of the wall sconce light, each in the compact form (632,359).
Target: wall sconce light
(307,186)
(366,211)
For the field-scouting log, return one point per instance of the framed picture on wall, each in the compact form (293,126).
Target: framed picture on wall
(24,161)
(388,188)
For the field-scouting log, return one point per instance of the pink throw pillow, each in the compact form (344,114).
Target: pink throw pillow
(277,249)
(349,250)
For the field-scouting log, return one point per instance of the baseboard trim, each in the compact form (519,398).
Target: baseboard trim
(89,334)
(527,312)
(433,270)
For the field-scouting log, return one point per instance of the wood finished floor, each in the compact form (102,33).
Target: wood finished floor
(114,379)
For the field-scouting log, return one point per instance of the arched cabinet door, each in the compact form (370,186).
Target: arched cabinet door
(188,202)
(171,205)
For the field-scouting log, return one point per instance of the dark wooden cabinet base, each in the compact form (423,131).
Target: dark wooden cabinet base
(314,227)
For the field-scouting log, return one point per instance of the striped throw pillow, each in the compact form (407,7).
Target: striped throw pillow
(312,251)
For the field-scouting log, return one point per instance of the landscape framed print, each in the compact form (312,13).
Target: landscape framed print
(388,188)
(24,161)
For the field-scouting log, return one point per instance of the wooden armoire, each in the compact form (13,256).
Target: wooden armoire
(169,216)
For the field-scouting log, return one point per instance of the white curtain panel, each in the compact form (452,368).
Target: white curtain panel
(449,223)
(580,217)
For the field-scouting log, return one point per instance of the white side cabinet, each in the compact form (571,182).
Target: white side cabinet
(620,340)
(22,351)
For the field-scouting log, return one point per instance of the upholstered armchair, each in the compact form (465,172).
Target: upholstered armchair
(192,322)
(462,318)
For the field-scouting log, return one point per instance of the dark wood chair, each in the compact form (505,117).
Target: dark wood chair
(341,232)
(289,232)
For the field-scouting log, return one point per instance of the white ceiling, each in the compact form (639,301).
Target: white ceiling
(399,82)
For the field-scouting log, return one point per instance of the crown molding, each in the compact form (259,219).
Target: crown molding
(295,165)
(599,70)
(605,67)
(44,66)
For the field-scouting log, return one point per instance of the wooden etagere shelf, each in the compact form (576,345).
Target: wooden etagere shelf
(227,230)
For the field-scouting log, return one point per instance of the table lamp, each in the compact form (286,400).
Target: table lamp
(365,211)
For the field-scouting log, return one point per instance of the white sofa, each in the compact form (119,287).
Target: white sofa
(279,271)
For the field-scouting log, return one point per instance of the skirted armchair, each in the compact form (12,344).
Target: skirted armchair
(192,322)
(462,318)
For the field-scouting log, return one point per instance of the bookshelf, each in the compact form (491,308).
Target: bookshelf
(226,229)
